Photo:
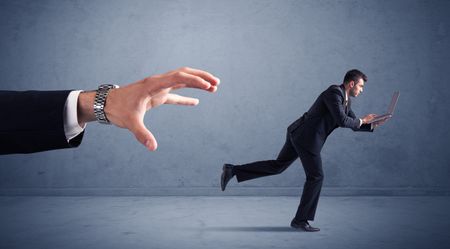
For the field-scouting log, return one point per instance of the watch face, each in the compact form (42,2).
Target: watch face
(106,87)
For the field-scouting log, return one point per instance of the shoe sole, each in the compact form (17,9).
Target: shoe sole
(302,229)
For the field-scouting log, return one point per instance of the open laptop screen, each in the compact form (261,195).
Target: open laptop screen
(390,109)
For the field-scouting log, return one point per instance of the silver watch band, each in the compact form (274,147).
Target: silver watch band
(100,102)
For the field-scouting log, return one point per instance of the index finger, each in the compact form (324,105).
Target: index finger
(202,74)
(180,79)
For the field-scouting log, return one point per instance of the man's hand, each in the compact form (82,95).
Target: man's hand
(126,106)
(381,122)
(366,119)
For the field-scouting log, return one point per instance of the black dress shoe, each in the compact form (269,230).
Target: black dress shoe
(227,174)
(304,225)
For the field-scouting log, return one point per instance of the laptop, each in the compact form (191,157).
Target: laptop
(390,111)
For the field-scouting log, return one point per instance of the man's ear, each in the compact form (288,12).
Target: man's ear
(352,84)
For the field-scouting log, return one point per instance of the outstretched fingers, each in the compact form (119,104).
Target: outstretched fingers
(155,90)
(182,80)
(175,99)
(202,74)
(189,77)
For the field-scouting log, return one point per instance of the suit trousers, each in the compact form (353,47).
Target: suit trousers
(312,165)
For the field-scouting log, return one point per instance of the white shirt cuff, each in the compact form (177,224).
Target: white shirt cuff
(360,122)
(71,126)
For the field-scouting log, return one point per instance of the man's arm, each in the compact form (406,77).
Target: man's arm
(32,121)
(333,100)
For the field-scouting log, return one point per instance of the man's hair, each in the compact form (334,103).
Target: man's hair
(354,75)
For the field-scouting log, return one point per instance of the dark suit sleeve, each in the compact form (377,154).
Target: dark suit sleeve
(32,121)
(363,127)
(334,101)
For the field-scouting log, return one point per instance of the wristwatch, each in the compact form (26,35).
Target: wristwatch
(100,102)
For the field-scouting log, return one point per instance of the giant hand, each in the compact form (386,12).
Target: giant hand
(126,106)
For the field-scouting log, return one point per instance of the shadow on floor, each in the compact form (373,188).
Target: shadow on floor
(252,229)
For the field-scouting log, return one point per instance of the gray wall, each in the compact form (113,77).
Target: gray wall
(273,57)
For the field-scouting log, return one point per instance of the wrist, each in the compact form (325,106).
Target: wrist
(100,100)
(85,112)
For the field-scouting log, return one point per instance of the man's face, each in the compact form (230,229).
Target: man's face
(357,87)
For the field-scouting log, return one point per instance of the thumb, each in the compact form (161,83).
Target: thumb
(144,136)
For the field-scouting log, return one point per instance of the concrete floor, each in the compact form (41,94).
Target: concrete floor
(222,222)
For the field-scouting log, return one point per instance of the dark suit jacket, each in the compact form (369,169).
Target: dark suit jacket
(32,121)
(326,114)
